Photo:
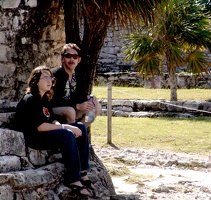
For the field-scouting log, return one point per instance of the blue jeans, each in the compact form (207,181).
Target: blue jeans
(75,151)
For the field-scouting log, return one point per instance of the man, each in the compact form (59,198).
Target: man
(65,102)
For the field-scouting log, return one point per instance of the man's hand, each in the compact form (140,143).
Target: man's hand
(94,99)
(85,106)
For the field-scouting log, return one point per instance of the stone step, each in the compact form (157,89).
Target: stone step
(6,119)
(23,171)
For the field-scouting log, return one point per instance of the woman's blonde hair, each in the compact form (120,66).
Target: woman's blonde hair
(34,79)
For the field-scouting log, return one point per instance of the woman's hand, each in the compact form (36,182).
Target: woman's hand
(77,132)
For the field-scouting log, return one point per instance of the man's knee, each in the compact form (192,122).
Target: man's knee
(70,115)
(69,111)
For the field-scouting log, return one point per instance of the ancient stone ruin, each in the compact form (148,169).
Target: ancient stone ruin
(26,173)
(32,34)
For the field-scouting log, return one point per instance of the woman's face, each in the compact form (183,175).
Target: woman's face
(45,82)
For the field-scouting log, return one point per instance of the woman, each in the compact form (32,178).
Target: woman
(41,131)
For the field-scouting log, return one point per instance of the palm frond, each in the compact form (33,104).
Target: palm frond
(197,63)
(138,45)
(174,55)
(148,65)
(121,12)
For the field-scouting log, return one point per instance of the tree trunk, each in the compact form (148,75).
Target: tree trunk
(105,177)
(95,31)
(72,28)
(94,34)
(172,81)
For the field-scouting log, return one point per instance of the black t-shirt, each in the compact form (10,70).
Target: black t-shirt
(59,97)
(31,112)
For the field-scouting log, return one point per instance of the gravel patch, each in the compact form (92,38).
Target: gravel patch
(158,174)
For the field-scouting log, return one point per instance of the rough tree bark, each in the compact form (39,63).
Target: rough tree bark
(94,33)
(172,80)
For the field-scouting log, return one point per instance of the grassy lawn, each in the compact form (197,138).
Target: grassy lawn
(191,135)
(173,134)
(143,94)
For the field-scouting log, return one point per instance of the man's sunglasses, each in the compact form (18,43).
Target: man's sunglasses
(68,55)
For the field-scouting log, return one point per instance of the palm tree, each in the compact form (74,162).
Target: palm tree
(95,16)
(178,36)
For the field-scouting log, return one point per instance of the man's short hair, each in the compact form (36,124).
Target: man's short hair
(70,46)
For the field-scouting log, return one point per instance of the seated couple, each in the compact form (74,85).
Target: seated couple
(35,118)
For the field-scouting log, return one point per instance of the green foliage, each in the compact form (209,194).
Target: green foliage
(196,62)
(97,16)
(181,27)
(178,36)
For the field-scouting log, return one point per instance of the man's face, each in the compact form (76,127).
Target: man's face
(70,59)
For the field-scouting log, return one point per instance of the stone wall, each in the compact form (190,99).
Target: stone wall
(157,108)
(111,57)
(31,34)
(135,80)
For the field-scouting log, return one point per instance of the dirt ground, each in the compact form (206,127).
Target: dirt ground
(155,174)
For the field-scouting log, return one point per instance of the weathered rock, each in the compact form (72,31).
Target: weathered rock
(12,143)
(157,108)
(10,163)
(32,33)
(161,174)
(26,173)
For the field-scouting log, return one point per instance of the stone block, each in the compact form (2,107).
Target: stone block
(5,118)
(8,70)
(3,55)
(12,142)
(37,157)
(10,3)
(9,163)
(128,103)
(31,179)
(191,106)
(31,3)
(6,192)
(2,37)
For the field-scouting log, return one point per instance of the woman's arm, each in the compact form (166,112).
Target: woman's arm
(49,127)
(56,122)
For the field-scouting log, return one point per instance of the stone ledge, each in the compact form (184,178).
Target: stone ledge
(159,108)
(31,179)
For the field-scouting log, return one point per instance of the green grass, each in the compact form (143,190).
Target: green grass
(173,134)
(154,94)
(192,135)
